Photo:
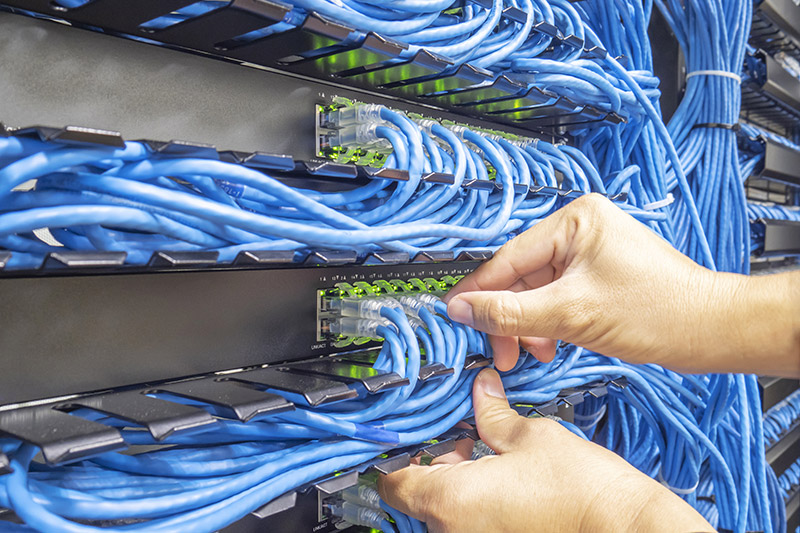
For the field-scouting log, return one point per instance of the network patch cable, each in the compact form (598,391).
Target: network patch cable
(155,200)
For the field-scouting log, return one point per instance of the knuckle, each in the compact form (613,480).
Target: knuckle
(542,429)
(574,311)
(572,314)
(589,209)
(500,315)
(592,201)
(438,500)
(521,431)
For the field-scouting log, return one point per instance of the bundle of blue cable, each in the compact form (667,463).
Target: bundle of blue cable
(713,37)
(700,435)
(134,200)
(204,481)
(781,418)
(642,142)
(708,155)
(789,481)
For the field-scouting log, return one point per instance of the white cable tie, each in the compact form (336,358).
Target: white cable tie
(652,206)
(676,490)
(723,73)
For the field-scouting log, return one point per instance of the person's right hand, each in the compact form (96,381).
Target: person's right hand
(543,478)
(593,276)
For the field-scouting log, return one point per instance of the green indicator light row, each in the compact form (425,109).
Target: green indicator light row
(382,287)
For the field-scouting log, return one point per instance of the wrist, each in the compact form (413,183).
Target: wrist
(772,324)
(744,324)
(637,503)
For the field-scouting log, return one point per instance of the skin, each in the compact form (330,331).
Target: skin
(593,276)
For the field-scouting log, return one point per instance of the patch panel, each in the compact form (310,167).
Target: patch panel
(345,133)
(180,308)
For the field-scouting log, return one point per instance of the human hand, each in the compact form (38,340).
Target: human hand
(544,478)
(593,276)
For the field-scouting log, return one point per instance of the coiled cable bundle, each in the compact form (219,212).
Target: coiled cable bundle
(205,481)
(781,417)
(132,199)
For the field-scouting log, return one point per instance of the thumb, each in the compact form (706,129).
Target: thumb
(499,426)
(412,490)
(534,312)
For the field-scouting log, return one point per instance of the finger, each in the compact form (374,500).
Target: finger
(539,312)
(526,254)
(505,351)
(541,348)
(405,489)
(499,426)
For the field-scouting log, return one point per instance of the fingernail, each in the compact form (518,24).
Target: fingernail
(460,311)
(491,384)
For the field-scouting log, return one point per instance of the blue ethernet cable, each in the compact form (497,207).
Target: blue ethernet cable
(789,481)
(463,396)
(781,417)
(141,185)
(613,152)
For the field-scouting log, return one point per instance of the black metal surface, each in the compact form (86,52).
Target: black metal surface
(5,465)
(781,237)
(440,448)
(668,64)
(776,27)
(393,463)
(372,380)
(476,361)
(229,398)
(143,92)
(781,164)
(75,135)
(183,259)
(337,483)
(265,257)
(303,516)
(83,260)
(781,84)
(434,257)
(331,257)
(281,503)
(769,265)
(770,95)
(434,370)
(773,390)
(60,436)
(316,390)
(161,418)
(386,258)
